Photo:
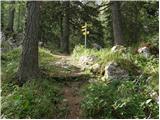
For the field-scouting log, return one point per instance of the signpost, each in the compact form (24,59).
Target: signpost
(85,33)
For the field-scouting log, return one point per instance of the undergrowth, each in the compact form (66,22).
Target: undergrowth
(118,100)
(37,98)
(124,99)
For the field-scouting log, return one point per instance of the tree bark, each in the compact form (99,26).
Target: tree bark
(19,15)
(11,17)
(2,16)
(61,31)
(117,24)
(29,61)
(65,39)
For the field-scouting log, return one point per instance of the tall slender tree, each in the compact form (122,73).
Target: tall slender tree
(11,17)
(65,38)
(19,16)
(29,61)
(117,24)
(61,31)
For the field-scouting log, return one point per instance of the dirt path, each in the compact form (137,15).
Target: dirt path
(71,89)
(72,95)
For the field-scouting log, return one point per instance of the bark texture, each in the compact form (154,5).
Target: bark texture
(11,17)
(65,39)
(117,24)
(61,31)
(29,62)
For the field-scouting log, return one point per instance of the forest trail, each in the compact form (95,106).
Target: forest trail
(74,78)
(72,96)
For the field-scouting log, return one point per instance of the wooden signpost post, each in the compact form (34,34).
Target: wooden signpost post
(85,33)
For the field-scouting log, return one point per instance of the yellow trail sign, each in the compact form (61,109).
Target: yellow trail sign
(84,26)
(84,29)
(86,33)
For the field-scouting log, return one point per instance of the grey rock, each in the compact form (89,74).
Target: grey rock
(95,68)
(145,51)
(87,60)
(114,72)
(118,48)
(96,46)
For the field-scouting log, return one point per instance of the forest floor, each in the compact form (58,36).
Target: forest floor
(74,78)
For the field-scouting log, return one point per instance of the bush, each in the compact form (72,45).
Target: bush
(10,61)
(36,99)
(117,100)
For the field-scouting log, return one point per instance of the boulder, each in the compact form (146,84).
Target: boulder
(2,36)
(95,68)
(114,72)
(145,51)
(87,60)
(118,48)
(96,46)
(11,42)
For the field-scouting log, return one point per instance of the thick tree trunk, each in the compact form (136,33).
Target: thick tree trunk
(65,40)
(29,62)
(11,17)
(117,25)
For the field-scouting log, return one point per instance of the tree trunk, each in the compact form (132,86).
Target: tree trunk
(65,39)
(29,62)
(61,31)
(18,21)
(117,25)
(11,17)
(2,16)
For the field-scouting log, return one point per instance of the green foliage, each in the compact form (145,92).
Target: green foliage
(10,61)
(150,69)
(105,56)
(19,19)
(120,100)
(36,99)
(80,50)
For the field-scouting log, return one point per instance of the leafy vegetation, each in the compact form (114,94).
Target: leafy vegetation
(38,98)
(118,100)
(122,99)
(45,66)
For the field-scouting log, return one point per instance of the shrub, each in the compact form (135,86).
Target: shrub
(36,99)
(10,61)
(117,100)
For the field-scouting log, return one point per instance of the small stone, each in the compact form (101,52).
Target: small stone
(118,48)
(65,100)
